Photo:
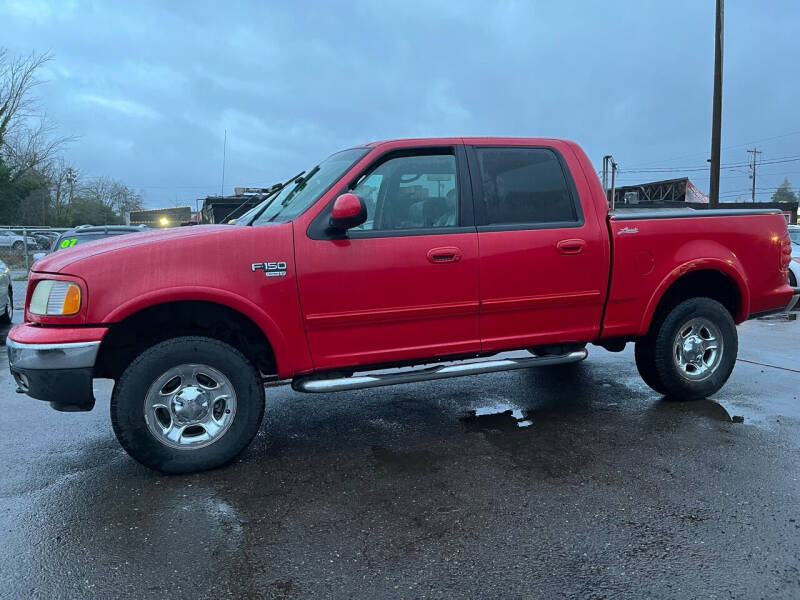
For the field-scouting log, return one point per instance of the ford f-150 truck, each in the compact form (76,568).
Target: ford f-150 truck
(393,262)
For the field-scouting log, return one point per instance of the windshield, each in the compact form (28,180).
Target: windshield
(296,197)
(795,235)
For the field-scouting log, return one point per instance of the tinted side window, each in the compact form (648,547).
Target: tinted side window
(523,186)
(411,192)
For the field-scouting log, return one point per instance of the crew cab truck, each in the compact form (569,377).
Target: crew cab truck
(432,255)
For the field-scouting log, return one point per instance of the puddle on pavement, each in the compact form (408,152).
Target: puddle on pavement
(500,416)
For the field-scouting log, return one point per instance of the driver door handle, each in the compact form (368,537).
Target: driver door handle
(575,246)
(445,255)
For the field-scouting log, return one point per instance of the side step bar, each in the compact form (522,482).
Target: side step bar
(317,384)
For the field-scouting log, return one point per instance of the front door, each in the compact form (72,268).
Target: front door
(404,285)
(544,263)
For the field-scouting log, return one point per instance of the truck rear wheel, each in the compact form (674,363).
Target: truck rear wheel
(187,404)
(693,350)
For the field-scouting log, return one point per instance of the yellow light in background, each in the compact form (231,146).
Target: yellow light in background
(164,221)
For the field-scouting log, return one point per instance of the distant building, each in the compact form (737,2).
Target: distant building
(682,193)
(221,209)
(669,190)
(160,217)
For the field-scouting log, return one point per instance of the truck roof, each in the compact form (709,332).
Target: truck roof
(469,140)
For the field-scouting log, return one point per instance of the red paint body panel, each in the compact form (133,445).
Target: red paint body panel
(35,334)
(746,248)
(545,286)
(349,302)
(125,274)
(381,299)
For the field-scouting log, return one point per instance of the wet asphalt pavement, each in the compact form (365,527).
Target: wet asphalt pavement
(564,482)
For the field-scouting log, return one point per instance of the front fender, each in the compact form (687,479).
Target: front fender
(219,296)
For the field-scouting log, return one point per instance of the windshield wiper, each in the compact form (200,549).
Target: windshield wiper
(273,192)
(301,183)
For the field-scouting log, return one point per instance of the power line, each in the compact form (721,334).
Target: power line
(692,168)
(761,142)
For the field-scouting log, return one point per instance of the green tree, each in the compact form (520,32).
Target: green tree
(91,211)
(14,191)
(784,192)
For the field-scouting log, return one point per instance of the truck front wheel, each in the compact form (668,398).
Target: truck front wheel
(646,364)
(692,352)
(187,404)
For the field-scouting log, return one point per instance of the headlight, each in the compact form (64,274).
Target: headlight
(55,298)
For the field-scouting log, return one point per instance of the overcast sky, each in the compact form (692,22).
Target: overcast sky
(150,87)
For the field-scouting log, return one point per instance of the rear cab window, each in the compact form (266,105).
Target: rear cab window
(523,188)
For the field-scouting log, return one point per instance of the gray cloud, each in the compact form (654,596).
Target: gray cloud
(150,86)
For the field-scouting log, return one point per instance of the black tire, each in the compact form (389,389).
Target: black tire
(8,310)
(18,246)
(792,279)
(646,365)
(678,383)
(130,392)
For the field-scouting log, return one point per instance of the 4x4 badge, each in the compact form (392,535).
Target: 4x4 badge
(271,269)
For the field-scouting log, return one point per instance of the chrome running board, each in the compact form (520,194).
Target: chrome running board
(319,384)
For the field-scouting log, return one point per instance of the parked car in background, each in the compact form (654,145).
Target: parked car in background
(6,295)
(9,239)
(90,233)
(45,239)
(794,266)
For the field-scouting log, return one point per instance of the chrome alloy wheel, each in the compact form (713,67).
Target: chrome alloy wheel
(190,406)
(697,349)
(9,307)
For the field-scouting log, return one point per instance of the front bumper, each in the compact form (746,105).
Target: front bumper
(57,373)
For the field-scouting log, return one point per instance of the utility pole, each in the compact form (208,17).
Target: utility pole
(613,183)
(224,150)
(71,177)
(606,161)
(755,152)
(716,123)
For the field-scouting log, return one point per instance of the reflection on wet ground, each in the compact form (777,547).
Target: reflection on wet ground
(496,416)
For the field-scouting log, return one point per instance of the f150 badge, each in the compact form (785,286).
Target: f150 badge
(271,269)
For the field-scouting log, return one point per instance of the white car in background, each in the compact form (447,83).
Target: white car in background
(9,239)
(6,295)
(794,266)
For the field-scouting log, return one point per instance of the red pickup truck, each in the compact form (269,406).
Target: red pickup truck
(429,256)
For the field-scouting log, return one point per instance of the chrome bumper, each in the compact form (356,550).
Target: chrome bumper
(60,374)
(75,355)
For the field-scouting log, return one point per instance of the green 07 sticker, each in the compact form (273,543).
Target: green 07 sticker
(69,242)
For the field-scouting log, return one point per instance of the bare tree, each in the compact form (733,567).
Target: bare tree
(111,193)
(27,136)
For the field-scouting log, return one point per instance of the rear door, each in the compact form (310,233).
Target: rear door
(405,284)
(543,268)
